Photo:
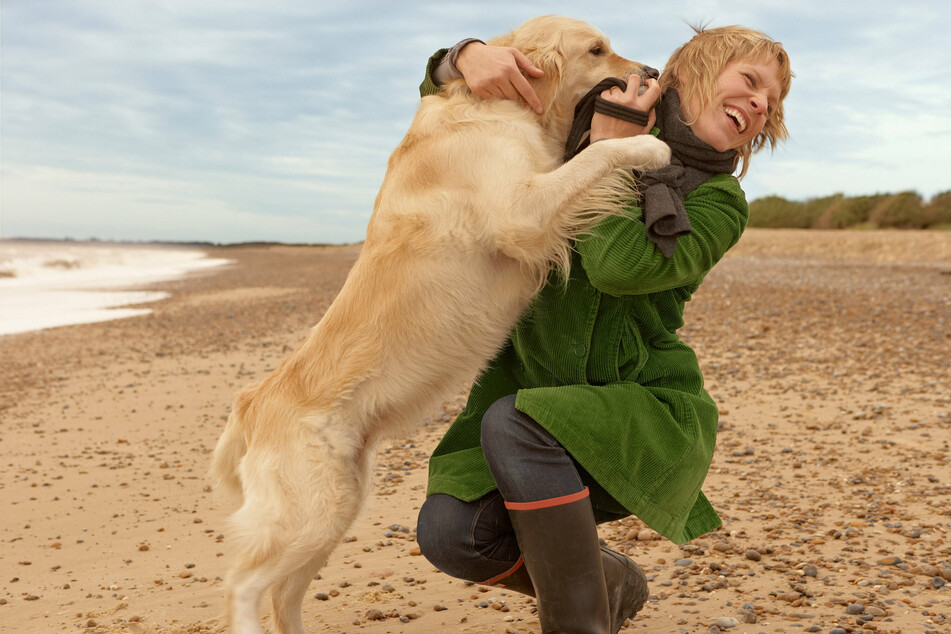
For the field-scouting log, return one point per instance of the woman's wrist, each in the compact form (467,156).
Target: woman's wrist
(447,70)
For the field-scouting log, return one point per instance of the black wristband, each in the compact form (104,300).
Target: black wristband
(618,111)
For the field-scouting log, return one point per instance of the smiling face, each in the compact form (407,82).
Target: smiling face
(746,95)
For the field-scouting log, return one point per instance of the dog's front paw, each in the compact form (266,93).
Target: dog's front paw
(649,152)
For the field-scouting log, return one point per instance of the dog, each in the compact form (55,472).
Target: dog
(475,211)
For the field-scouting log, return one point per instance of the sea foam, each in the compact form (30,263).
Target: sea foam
(48,284)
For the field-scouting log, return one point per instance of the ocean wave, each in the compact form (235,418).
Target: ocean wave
(46,284)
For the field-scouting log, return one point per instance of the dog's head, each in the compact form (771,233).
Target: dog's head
(574,55)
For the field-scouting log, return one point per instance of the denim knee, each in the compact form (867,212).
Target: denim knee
(438,532)
(467,540)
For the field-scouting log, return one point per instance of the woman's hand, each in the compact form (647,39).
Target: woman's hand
(607,127)
(497,71)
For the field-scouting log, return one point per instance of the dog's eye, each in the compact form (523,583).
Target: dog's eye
(597,51)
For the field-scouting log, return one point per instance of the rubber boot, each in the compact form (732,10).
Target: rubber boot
(559,542)
(515,578)
(625,581)
(627,587)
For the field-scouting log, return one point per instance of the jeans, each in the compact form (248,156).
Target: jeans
(475,540)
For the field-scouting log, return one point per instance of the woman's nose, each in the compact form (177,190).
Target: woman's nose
(758,104)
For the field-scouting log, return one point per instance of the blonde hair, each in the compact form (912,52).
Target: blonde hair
(694,68)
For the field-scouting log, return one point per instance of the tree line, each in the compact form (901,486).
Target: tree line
(904,210)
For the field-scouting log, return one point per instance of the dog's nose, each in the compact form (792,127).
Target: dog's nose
(651,73)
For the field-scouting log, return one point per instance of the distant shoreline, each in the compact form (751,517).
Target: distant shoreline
(208,244)
(179,243)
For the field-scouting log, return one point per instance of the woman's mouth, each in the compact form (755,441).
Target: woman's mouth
(737,117)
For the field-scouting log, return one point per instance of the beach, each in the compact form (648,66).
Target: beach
(827,353)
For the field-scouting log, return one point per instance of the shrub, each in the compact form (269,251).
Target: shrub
(903,211)
(774,212)
(814,208)
(938,210)
(849,212)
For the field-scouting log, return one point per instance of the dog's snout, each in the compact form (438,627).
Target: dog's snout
(651,73)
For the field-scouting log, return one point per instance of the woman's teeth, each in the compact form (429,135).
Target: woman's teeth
(737,116)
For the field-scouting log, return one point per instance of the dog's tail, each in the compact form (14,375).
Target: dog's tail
(224,470)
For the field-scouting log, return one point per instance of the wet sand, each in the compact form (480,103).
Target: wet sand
(827,352)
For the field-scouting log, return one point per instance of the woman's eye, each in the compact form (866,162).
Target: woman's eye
(750,79)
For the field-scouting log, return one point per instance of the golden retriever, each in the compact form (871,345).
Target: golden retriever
(475,210)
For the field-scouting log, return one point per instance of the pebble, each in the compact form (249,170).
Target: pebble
(937,583)
(810,571)
(726,622)
(837,630)
(374,615)
(683,562)
(855,608)
(753,555)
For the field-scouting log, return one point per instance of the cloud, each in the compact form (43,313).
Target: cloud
(236,120)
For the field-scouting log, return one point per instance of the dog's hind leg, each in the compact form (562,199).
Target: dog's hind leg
(262,537)
(288,595)
(244,595)
(284,560)
(257,568)
(288,579)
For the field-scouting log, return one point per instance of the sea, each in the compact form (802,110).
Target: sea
(45,284)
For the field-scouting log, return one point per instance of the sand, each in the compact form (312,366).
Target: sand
(827,352)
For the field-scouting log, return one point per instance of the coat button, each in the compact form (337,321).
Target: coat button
(579,349)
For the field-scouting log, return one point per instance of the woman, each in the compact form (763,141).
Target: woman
(595,410)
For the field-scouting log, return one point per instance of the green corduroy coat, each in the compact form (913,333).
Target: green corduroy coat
(598,363)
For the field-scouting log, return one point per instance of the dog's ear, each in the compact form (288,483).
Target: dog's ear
(552,63)
(544,50)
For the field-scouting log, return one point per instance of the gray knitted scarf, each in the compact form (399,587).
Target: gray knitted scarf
(663,191)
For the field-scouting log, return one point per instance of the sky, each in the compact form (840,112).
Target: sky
(240,120)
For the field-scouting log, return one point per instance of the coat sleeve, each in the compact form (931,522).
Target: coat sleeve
(428,87)
(620,259)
